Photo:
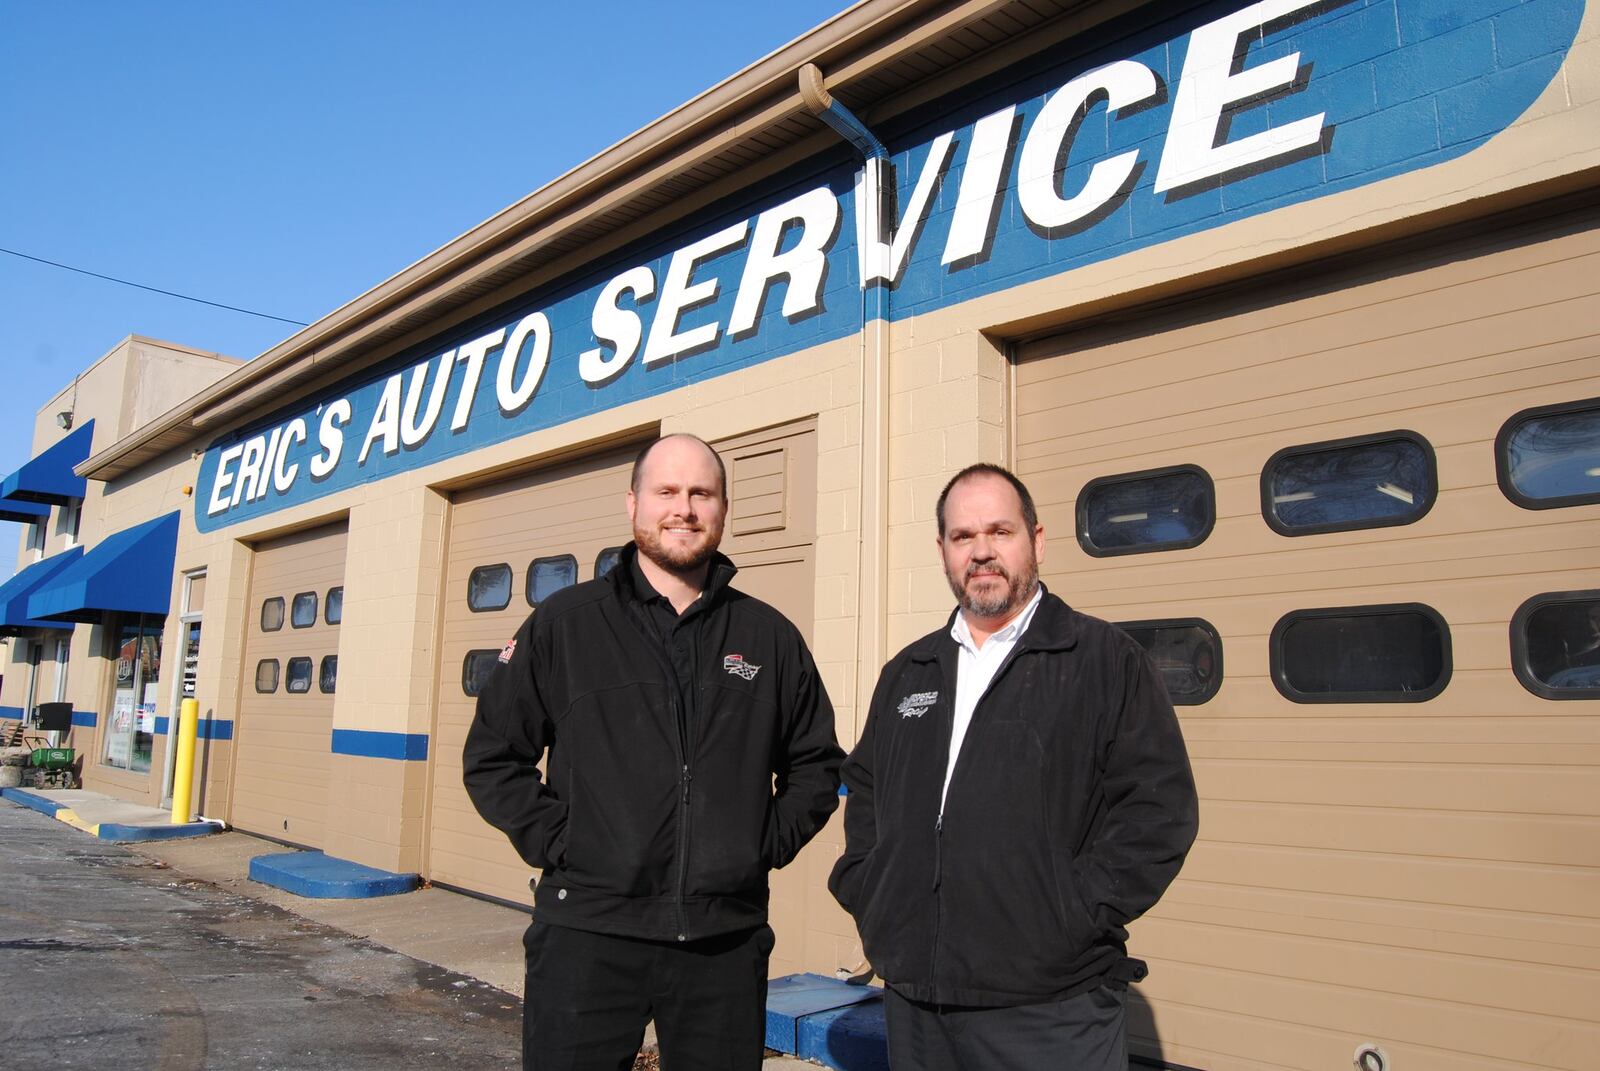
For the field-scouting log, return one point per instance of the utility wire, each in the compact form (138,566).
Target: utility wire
(153,289)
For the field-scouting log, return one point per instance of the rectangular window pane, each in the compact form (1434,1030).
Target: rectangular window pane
(1361,654)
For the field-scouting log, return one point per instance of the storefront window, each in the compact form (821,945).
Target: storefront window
(130,731)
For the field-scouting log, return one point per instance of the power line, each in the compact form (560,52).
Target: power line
(153,289)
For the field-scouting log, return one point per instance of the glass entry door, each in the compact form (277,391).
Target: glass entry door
(130,731)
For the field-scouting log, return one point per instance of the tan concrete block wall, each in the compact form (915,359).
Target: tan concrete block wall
(386,642)
(375,811)
(946,411)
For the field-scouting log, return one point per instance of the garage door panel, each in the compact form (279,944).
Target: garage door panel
(283,740)
(1476,806)
(1262,407)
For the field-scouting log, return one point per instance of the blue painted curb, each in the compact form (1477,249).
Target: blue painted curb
(321,877)
(32,800)
(826,1020)
(125,834)
(853,1038)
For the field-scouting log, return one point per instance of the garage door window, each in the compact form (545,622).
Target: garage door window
(297,679)
(1555,645)
(489,588)
(476,668)
(546,576)
(267,676)
(1186,652)
(1361,654)
(304,612)
(1368,482)
(272,614)
(1139,512)
(1550,456)
(328,674)
(333,605)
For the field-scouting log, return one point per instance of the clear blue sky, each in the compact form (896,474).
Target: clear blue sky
(287,156)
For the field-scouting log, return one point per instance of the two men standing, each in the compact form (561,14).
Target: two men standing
(1020,793)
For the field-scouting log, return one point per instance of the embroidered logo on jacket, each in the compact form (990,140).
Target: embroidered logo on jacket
(507,651)
(736,665)
(916,704)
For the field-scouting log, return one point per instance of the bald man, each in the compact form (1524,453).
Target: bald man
(690,749)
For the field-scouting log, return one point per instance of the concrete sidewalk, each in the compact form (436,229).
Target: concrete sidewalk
(473,937)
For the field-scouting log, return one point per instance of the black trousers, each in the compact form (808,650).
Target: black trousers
(1087,1032)
(589,996)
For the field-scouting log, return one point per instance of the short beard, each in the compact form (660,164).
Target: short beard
(673,561)
(1011,598)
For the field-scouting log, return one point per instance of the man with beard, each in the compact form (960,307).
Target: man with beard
(689,749)
(1020,793)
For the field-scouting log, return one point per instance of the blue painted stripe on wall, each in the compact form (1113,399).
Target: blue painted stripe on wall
(86,718)
(1400,85)
(407,747)
(209,728)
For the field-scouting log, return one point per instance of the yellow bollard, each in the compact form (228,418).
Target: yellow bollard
(183,768)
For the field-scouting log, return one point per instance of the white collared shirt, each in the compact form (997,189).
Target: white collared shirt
(975,668)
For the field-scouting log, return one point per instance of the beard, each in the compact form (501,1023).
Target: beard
(677,558)
(996,600)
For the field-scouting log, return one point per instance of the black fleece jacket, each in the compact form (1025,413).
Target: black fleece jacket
(642,828)
(1070,810)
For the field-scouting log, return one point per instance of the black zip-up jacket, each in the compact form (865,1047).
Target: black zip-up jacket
(1070,810)
(639,832)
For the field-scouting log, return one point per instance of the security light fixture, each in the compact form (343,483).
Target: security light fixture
(64,418)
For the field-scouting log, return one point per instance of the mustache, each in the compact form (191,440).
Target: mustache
(986,569)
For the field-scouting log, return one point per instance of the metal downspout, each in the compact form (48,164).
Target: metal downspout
(872,582)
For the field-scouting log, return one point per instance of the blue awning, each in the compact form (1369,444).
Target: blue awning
(49,477)
(14,593)
(128,571)
(12,509)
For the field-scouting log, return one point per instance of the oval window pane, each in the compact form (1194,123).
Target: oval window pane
(1361,654)
(1187,654)
(1557,645)
(476,669)
(297,676)
(1553,458)
(272,614)
(546,576)
(328,674)
(304,612)
(1165,510)
(606,561)
(489,588)
(333,606)
(1366,484)
(267,675)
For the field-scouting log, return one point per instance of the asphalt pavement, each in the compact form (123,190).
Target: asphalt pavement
(112,959)
(164,955)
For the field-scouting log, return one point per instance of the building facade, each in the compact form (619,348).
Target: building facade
(1286,311)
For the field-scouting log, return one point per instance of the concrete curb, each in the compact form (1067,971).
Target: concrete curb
(31,800)
(827,1021)
(113,831)
(322,877)
(126,834)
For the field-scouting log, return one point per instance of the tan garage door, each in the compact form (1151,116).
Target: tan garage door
(1424,876)
(553,526)
(290,674)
